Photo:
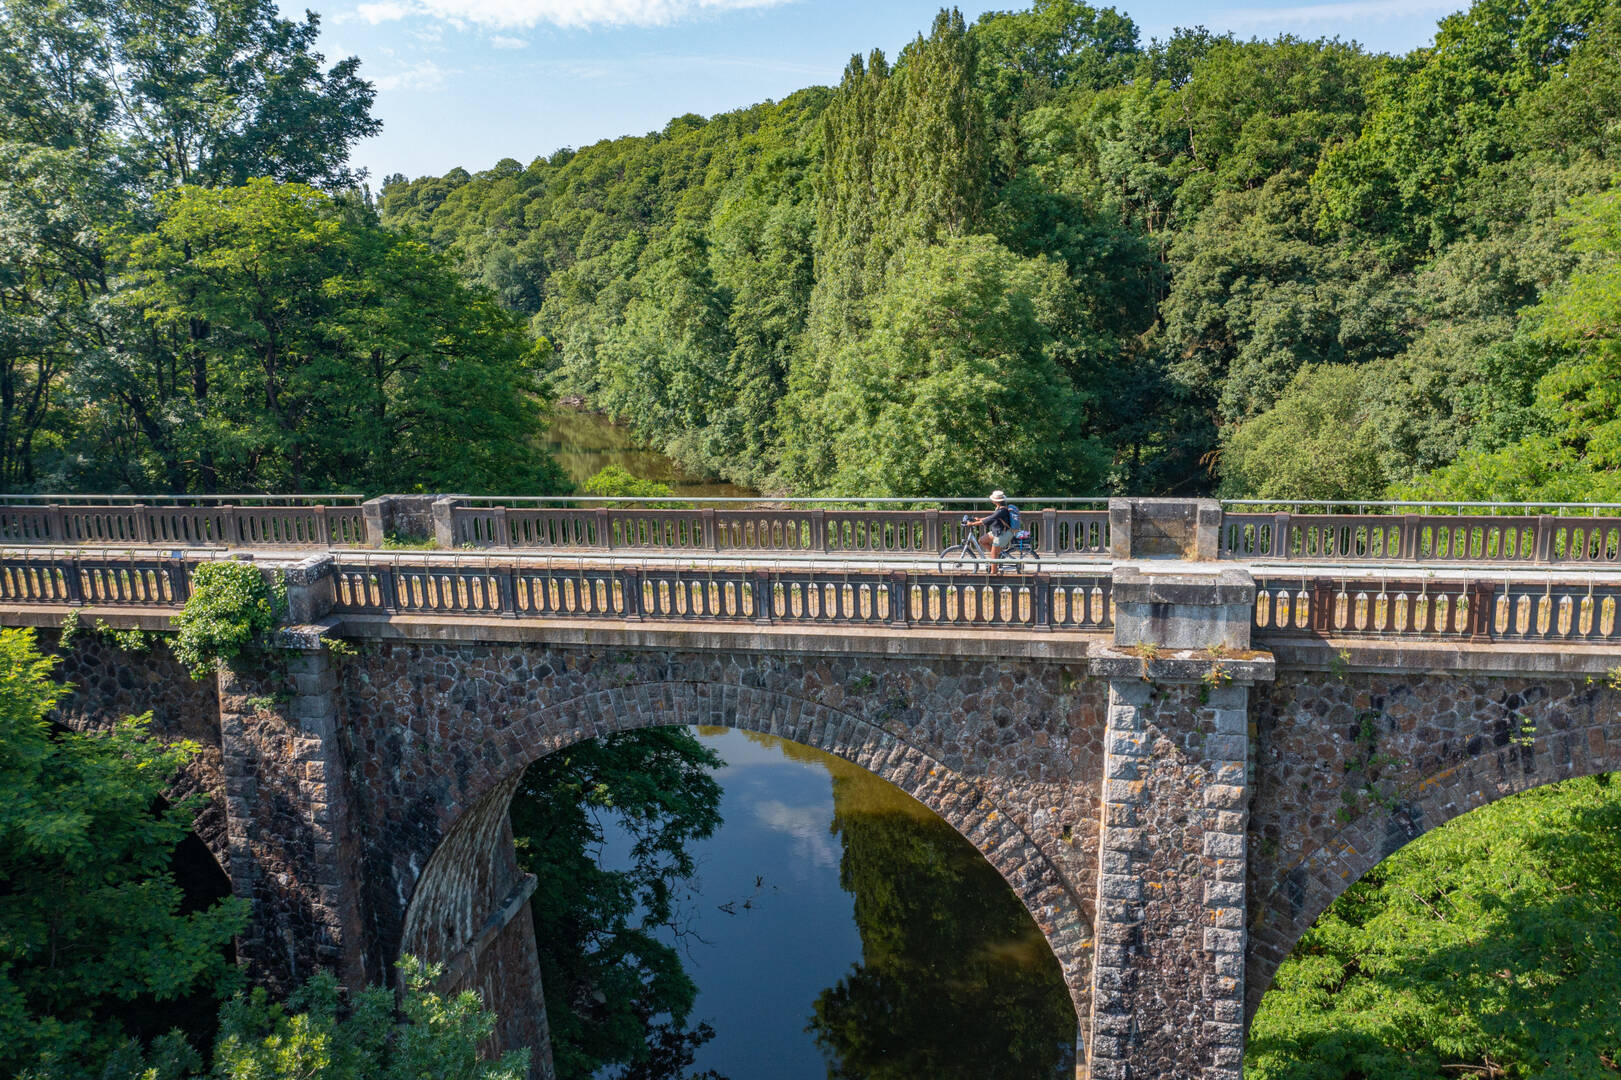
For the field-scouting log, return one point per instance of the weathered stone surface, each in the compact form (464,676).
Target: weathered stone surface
(108,684)
(1167,878)
(1349,767)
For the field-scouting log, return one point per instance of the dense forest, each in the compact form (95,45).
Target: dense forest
(1035,252)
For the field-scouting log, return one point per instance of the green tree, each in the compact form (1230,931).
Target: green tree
(958,388)
(616,995)
(91,923)
(1572,450)
(102,107)
(1421,170)
(289,342)
(1311,445)
(317,1035)
(1486,947)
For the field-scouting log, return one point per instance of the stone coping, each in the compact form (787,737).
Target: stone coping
(948,643)
(1175,583)
(1507,658)
(1213,666)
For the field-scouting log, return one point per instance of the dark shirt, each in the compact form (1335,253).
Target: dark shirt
(1000,520)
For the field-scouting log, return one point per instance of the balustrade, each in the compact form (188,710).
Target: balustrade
(1460,540)
(1473,610)
(736,594)
(168,525)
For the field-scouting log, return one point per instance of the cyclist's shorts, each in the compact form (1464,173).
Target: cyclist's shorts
(1002,539)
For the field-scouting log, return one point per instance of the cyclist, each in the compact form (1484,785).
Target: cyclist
(1000,525)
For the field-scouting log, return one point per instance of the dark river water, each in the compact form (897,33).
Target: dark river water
(837,928)
(585,443)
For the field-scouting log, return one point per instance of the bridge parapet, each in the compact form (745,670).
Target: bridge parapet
(1464,535)
(1312,603)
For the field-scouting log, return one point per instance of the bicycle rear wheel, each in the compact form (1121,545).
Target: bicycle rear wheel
(1026,560)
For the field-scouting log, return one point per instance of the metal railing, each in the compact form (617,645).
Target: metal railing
(207,524)
(761,529)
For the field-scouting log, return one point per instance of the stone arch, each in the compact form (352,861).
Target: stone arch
(449,898)
(1283,908)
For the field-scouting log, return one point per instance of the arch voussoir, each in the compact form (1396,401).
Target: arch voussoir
(962,803)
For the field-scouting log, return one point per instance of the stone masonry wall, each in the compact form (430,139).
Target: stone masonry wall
(1351,767)
(1168,978)
(1009,753)
(109,684)
(294,854)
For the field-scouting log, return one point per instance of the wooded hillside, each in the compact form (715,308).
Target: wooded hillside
(1036,252)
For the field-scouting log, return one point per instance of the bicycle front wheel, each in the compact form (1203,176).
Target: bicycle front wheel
(957,560)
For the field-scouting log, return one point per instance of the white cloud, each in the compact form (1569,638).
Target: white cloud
(501,41)
(1336,11)
(381,11)
(423,77)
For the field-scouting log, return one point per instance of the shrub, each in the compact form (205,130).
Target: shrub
(231,604)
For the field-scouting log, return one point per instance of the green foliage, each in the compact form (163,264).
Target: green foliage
(957,389)
(616,994)
(131,641)
(1573,450)
(1488,946)
(314,1035)
(231,607)
(614,481)
(955,980)
(374,382)
(396,542)
(70,630)
(102,107)
(92,930)
(1311,445)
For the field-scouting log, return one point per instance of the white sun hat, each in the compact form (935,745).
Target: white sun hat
(998,496)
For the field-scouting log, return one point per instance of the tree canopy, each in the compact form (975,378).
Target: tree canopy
(93,931)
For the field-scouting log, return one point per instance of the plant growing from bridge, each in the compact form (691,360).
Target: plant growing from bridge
(232,605)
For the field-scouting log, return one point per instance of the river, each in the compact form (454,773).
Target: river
(585,443)
(836,928)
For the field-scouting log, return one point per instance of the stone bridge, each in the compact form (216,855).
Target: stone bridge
(1178,741)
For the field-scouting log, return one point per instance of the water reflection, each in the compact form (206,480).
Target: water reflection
(585,443)
(837,928)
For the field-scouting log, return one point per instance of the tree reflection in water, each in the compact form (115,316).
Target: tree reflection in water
(951,978)
(616,995)
(955,978)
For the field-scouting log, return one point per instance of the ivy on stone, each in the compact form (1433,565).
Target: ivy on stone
(231,605)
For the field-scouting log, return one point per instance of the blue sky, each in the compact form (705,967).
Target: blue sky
(468,82)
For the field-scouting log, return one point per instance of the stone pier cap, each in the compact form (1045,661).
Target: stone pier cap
(1182,607)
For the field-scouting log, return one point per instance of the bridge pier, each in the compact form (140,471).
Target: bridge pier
(294,852)
(1168,973)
